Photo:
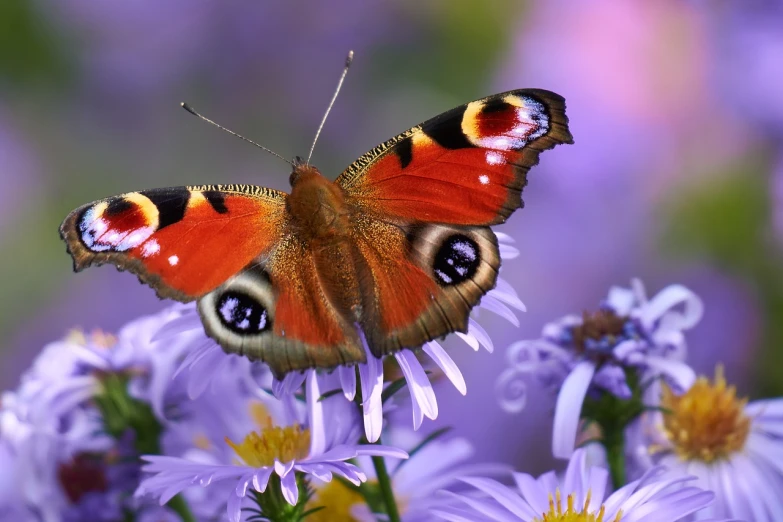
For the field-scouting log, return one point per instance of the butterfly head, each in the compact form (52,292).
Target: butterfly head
(302,171)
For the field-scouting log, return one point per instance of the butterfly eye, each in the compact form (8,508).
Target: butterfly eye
(456,260)
(242,314)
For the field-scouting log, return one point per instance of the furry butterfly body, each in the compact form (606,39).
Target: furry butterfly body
(400,244)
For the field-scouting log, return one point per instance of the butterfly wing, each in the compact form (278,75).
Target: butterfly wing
(278,311)
(182,241)
(420,282)
(427,198)
(230,247)
(467,166)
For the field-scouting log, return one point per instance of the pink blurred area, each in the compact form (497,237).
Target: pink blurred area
(656,110)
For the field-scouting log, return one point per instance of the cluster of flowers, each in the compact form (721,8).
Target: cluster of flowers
(157,424)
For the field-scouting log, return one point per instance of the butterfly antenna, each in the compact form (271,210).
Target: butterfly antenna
(348,61)
(194,113)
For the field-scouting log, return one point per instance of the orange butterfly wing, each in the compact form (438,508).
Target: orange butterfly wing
(278,311)
(427,197)
(182,241)
(467,166)
(230,247)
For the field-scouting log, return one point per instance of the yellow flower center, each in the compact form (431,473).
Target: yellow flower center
(708,422)
(97,338)
(337,499)
(556,512)
(274,443)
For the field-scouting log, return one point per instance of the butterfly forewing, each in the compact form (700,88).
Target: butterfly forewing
(467,166)
(182,241)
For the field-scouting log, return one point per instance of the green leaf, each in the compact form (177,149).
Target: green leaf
(328,394)
(421,445)
(392,389)
(311,511)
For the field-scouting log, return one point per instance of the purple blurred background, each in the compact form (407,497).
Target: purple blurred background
(676,174)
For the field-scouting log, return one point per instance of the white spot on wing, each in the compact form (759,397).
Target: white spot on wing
(466,249)
(495,158)
(173,260)
(150,248)
(484,179)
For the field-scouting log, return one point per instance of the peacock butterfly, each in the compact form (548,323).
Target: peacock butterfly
(400,244)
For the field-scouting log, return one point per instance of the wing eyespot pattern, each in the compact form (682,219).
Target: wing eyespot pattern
(242,313)
(242,308)
(456,260)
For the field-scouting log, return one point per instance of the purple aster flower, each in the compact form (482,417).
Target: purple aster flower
(314,448)
(579,495)
(437,466)
(590,353)
(733,447)
(205,360)
(66,462)
(69,372)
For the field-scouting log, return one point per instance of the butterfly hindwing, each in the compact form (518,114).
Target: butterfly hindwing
(278,311)
(420,283)
(467,166)
(182,241)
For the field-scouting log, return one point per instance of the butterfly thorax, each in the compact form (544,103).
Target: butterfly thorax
(317,206)
(320,219)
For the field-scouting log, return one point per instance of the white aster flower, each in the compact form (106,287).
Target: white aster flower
(735,448)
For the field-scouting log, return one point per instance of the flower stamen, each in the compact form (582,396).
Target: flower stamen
(556,512)
(708,422)
(273,444)
(599,332)
(337,500)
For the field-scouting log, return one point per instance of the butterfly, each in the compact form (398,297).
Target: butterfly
(399,244)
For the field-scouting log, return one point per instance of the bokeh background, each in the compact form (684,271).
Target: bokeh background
(676,174)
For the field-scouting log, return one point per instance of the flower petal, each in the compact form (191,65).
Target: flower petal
(494,305)
(512,390)
(447,364)
(418,383)
(234,507)
(569,407)
(504,495)
(371,377)
(477,331)
(289,488)
(506,293)
(661,307)
(382,451)
(315,415)
(469,340)
(679,374)
(184,323)
(348,381)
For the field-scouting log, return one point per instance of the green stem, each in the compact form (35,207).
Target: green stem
(384,483)
(180,507)
(122,413)
(615,456)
